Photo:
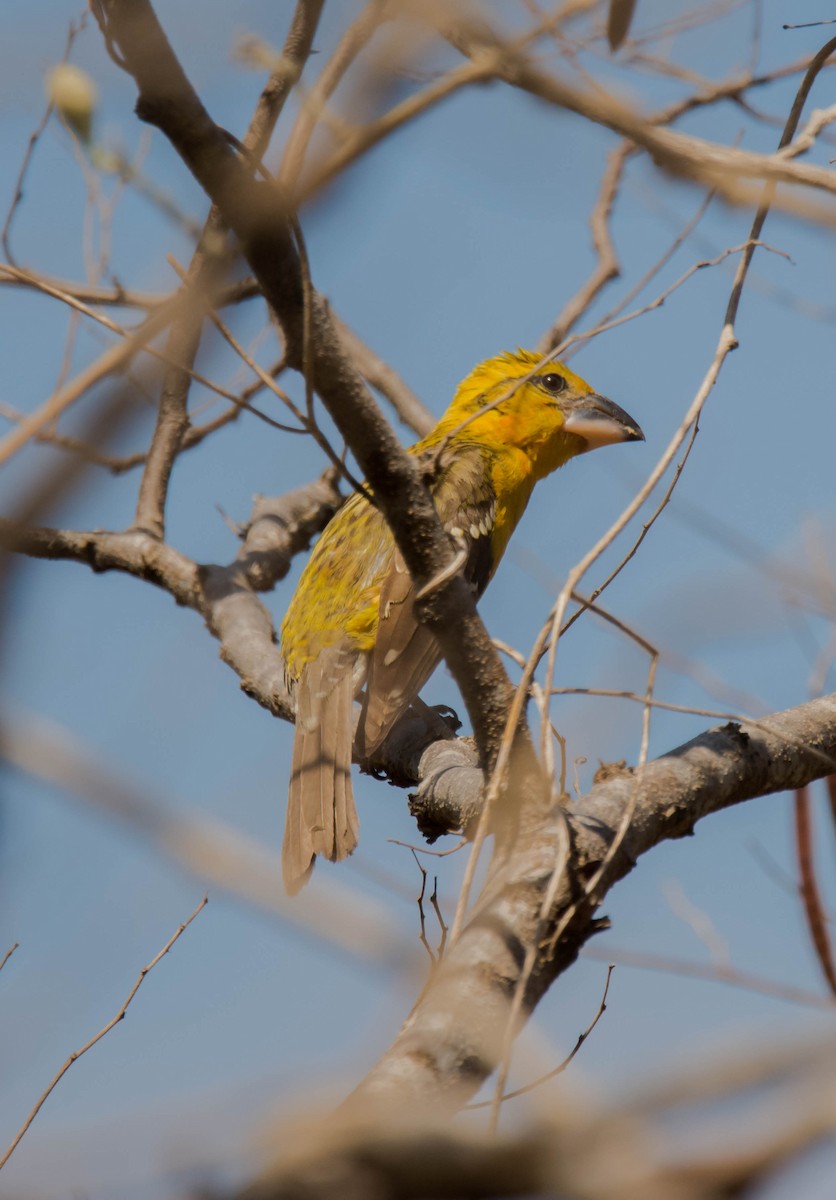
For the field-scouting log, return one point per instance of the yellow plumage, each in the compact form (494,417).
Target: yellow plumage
(351,628)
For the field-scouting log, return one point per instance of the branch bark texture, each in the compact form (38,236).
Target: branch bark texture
(452,1040)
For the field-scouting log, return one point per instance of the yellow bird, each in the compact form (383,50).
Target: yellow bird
(351,630)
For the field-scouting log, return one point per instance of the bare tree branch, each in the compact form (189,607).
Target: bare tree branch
(223,595)
(8,954)
(254,211)
(205,271)
(582,1151)
(443,1055)
(103,1032)
(215,853)
(813,907)
(112,361)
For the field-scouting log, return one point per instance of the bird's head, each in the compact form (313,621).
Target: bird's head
(551,416)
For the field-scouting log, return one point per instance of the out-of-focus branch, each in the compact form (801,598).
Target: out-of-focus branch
(115,359)
(215,853)
(726,169)
(721,167)
(607,266)
(352,42)
(111,297)
(712,972)
(578,1150)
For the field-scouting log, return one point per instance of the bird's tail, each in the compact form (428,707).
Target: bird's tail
(321,815)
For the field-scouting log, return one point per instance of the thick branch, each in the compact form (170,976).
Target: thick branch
(445,1051)
(205,272)
(225,596)
(255,211)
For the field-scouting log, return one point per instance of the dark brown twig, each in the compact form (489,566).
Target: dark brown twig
(831,795)
(558,1070)
(422,917)
(813,907)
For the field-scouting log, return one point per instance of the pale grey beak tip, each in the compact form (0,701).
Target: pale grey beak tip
(601,422)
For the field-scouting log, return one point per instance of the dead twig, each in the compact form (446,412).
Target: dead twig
(711,972)
(9,954)
(558,1070)
(813,907)
(103,1032)
(206,269)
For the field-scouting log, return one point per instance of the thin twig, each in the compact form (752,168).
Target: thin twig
(102,1032)
(618,694)
(813,907)
(426,850)
(553,629)
(422,937)
(118,296)
(711,972)
(607,267)
(113,360)
(17,195)
(728,342)
(9,954)
(442,924)
(558,1070)
(307,423)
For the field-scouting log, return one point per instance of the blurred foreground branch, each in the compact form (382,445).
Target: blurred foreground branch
(579,1151)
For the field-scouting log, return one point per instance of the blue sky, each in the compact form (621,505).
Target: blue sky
(462,237)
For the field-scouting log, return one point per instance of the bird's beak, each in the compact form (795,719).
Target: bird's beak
(600,422)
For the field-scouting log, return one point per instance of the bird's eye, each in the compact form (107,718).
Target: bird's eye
(552,383)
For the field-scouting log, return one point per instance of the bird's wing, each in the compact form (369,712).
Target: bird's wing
(405,652)
(404,656)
